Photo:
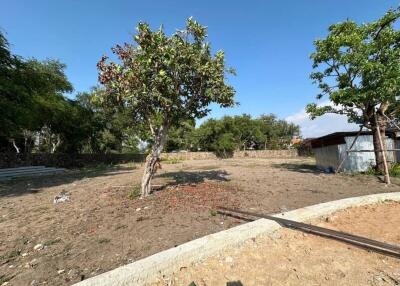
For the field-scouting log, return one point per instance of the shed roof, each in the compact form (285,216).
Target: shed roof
(337,138)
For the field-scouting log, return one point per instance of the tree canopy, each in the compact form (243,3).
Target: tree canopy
(163,80)
(36,115)
(358,68)
(242,132)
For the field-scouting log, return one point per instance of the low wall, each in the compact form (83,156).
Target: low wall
(238,154)
(292,153)
(12,160)
(163,264)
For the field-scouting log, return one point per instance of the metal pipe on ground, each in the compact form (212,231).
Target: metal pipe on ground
(363,242)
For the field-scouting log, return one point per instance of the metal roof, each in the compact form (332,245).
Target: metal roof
(337,138)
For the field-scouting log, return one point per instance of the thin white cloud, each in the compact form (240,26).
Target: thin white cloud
(322,125)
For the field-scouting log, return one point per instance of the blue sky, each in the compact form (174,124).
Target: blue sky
(267,42)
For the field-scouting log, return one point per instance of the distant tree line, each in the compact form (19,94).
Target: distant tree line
(36,115)
(231,133)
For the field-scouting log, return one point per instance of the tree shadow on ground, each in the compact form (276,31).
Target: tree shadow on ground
(234,283)
(301,168)
(35,184)
(194,177)
(230,283)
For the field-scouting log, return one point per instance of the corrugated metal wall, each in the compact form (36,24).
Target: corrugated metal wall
(328,158)
(358,161)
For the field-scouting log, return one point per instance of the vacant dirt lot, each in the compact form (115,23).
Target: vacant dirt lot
(101,228)
(290,257)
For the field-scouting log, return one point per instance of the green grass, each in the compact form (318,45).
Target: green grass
(103,240)
(134,192)
(213,212)
(10,255)
(121,226)
(394,171)
(5,278)
(52,241)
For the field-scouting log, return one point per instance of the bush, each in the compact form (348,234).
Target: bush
(225,146)
(394,171)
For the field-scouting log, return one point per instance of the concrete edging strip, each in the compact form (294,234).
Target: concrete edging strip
(167,262)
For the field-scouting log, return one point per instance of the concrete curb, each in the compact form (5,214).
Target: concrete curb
(147,270)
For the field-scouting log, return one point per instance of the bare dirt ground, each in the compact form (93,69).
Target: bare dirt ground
(289,257)
(101,228)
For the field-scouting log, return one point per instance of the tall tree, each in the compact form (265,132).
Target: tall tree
(278,133)
(358,68)
(181,137)
(165,79)
(31,93)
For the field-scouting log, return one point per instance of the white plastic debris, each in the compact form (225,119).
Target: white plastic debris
(62,197)
(38,247)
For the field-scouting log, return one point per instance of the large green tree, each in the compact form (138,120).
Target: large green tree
(358,68)
(163,80)
(181,137)
(242,132)
(277,133)
(31,95)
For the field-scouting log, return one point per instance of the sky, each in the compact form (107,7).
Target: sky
(267,42)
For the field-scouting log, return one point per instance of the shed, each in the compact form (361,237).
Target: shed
(330,150)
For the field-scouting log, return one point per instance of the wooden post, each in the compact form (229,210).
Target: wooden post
(387,177)
(346,154)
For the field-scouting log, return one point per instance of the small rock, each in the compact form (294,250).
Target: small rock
(145,208)
(38,247)
(330,218)
(34,283)
(61,271)
(222,222)
(11,266)
(33,263)
(138,209)
(5,283)
(24,254)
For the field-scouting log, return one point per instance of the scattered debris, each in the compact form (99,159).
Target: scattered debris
(62,197)
(61,271)
(38,247)
(33,263)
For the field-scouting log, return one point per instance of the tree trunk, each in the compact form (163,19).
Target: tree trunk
(153,159)
(15,146)
(378,133)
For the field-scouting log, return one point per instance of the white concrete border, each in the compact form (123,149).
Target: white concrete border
(165,263)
